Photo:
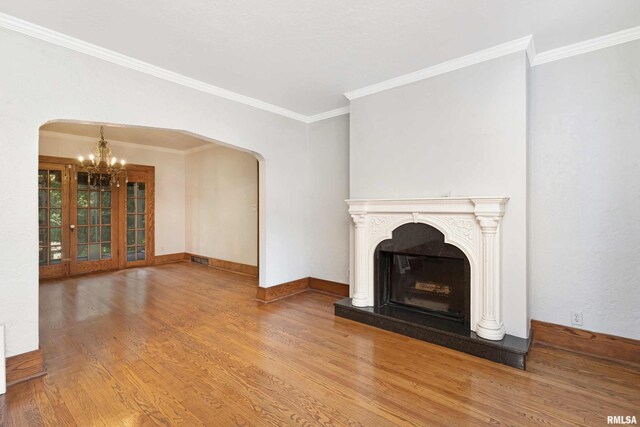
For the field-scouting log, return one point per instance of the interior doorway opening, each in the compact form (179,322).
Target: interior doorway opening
(183,196)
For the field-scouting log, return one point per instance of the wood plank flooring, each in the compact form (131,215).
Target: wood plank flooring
(182,344)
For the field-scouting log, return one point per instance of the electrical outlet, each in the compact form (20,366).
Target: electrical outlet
(576,318)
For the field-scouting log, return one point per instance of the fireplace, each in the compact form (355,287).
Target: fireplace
(431,269)
(418,271)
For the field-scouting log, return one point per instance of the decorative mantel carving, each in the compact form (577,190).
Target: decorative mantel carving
(470,223)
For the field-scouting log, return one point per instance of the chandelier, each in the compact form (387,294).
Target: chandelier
(100,164)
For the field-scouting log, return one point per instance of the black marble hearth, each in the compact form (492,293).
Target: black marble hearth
(511,351)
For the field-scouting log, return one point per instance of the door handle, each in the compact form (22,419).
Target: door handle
(72,227)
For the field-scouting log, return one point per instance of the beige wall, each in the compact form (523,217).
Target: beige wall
(221,205)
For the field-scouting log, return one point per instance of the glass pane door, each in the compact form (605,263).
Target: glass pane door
(95,229)
(136,228)
(137,238)
(52,220)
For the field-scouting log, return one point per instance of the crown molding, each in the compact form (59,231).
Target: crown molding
(586,46)
(116,143)
(445,67)
(328,114)
(15,24)
(525,43)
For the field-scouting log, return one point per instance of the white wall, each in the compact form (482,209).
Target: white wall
(222,204)
(169,179)
(329,188)
(460,134)
(40,82)
(585,190)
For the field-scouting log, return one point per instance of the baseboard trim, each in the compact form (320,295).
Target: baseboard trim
(295,287)
(610,347)
(329,287)
(274,293)
(235,267)
(168,258)
(220,264)
(25,366)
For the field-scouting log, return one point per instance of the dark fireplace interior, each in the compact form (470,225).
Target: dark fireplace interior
(417,271)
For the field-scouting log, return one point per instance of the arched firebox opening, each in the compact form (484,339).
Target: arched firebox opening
(416,270)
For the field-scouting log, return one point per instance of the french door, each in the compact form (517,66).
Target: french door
(93,224)
(53,219)
(88,225)
(137,218)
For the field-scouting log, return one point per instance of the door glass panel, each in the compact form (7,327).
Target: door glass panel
(131,253)
(55,217)
(56,255)
(42,198)
(83,199)
(42,217)
(43,257)
(55,198)
(136,232)
(94,198)
(94,208)
(55,179)
(43,236)
(83,234)
(94,235)
(94,252)
(83,252)
(82,216)
(94,216)
(106,216)
(42,178)
(105,250)
(106,199)
(49,217)
(56,236)
(105,235)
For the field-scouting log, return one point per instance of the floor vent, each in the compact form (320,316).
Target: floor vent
(200,260)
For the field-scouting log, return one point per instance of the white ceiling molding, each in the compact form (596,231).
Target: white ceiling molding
(517,45)
(116,143)
(24,27)
(525,43)
(328,114)
(586,46)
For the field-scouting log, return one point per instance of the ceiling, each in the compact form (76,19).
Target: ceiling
(302,55)
(163,138)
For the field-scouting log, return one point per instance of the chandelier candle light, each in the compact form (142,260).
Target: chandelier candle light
(101,162)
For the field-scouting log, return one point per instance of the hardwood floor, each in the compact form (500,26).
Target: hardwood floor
(186,344)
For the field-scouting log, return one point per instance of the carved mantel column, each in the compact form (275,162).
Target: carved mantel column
(360,296)
(490,325)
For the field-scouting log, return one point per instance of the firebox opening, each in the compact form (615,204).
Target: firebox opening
(418,271)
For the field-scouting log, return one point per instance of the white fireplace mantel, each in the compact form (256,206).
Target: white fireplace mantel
(470,223)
